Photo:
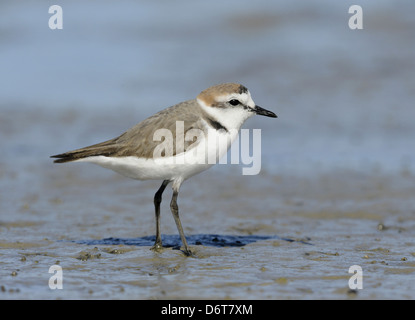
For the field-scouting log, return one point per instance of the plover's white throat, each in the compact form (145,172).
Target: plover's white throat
(142,152)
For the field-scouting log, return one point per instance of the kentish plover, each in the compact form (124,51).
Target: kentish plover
(151,150)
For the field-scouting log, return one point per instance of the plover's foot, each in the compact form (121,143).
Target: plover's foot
(157,247)
(188,253)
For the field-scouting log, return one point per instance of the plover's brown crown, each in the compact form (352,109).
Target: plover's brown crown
(210,95)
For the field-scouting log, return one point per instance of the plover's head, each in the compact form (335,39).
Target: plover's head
(230,104)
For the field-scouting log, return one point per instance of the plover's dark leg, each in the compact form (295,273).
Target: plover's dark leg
(175,211)
(157,201)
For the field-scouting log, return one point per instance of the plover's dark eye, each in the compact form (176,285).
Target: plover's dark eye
(234,102)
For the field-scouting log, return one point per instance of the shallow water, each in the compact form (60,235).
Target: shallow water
(337,181)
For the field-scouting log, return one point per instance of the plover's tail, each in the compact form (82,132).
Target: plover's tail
(106,148)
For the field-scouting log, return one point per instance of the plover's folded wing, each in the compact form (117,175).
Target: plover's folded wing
(179,124)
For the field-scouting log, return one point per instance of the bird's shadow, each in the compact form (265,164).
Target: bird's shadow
(213,240)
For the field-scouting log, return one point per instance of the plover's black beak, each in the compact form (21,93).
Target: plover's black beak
(262,112)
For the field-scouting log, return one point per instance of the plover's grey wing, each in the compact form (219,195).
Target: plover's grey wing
(139,140)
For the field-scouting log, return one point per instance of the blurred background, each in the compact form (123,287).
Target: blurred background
(337,165)
(344,97)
